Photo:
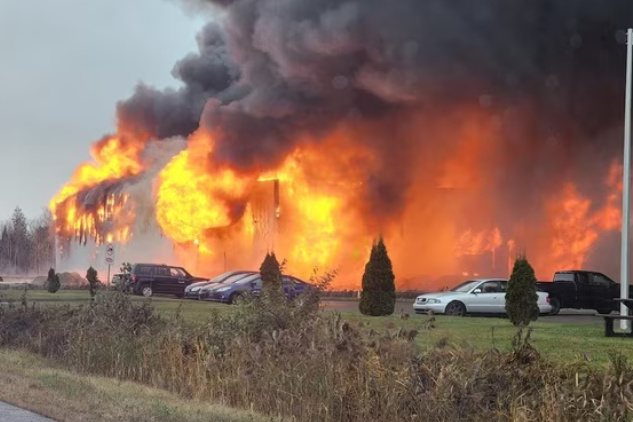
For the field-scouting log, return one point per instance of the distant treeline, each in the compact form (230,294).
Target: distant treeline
(27,246)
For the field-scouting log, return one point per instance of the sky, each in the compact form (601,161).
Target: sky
(63,66)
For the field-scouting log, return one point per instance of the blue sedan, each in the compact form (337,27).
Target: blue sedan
(192,291)
(239,285)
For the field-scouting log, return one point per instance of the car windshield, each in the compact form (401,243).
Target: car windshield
(233,279)
(465,286)
(228,277)
(246,280)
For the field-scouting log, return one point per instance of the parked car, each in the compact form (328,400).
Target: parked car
(238,286)
(148,279)
(192,291)
(582,290)
(480,296)
(119,279)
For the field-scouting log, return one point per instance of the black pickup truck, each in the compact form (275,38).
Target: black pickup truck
(581,290)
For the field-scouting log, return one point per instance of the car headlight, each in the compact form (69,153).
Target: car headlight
(433,301)
(195,289)
(223,289)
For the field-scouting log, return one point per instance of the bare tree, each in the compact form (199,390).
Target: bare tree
(27,246)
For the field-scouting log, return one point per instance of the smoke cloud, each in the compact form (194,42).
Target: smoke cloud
(151,113)
(552,70)
(548,75)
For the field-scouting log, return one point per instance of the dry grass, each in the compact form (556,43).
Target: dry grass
(309,365)
(33,383)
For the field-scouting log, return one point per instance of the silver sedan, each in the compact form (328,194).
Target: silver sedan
(480,296)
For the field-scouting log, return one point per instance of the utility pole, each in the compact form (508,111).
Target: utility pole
(624,263)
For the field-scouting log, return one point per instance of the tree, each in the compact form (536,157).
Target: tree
(27,245)
(521,297)
(5,247)
(379,289)
(93,281)
(52,282)
(43,242)
(270,271)
(20,239)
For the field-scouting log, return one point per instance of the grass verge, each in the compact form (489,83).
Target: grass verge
(34,383)
(565,344)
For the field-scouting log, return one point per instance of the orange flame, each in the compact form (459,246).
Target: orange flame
(192,197)
(311,208)
(113,159)
(472,243)
(576,228)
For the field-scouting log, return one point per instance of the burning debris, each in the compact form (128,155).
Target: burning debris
(451,128)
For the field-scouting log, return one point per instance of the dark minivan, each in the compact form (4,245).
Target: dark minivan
(149,279)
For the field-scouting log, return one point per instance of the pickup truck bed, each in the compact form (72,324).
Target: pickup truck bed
(581,290)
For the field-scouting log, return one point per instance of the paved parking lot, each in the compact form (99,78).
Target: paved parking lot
(566,316)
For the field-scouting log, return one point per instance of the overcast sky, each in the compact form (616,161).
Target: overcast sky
(63,66)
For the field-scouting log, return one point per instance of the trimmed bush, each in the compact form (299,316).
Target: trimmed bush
(93,281)
(378,297)
(270,271)
(52,282)
(521,297)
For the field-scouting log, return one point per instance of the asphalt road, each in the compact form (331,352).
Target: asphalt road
(11,413)
(566,316)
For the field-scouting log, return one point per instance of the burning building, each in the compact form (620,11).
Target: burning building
(460,131)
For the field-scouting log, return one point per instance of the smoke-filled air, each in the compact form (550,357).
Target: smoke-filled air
(463,132)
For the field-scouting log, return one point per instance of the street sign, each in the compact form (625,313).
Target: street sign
(109,255)
(109,258)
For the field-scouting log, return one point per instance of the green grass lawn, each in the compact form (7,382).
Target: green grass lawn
(564,343)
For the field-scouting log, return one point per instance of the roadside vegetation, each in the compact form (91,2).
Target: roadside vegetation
(582,342)
(294,360)
(37,384)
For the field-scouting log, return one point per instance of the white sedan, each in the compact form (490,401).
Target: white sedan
(481,296)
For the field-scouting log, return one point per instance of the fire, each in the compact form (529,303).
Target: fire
(192,197)
(318,217)
(312,210)
(610,217)
(475,243)
(576,227)
(113,159)
(315,235)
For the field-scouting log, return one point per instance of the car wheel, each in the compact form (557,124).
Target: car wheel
(455,308)
(555,304)
(147,290)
